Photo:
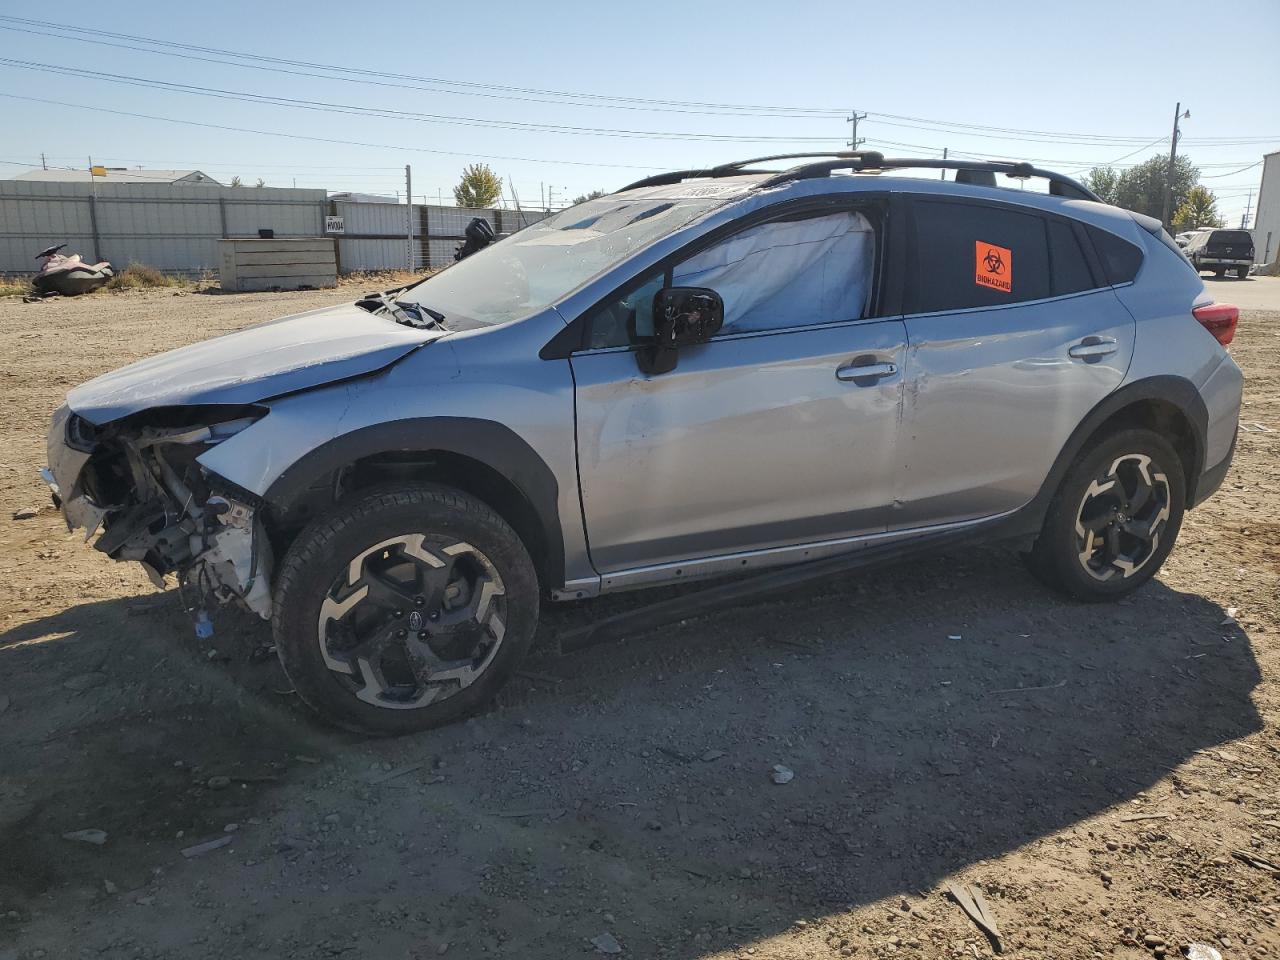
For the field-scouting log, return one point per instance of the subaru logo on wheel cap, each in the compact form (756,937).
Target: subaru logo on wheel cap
(415,620)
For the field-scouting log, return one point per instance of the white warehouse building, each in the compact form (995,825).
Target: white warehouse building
(1266,222)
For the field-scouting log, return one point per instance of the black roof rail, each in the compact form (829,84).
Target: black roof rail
(1059,185)
(739,167)
(864,161)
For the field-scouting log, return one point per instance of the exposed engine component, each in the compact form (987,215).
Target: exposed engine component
(160,507)
(236,560)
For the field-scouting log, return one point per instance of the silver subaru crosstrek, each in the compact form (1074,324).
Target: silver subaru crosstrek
(706,373)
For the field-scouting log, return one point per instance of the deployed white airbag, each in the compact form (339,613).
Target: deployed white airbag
(788,274)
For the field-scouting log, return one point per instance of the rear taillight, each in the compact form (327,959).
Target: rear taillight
(1219,319)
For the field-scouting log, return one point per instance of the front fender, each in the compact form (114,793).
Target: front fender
(489,443)
(469,396)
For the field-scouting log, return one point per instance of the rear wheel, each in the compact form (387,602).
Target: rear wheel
(1114,519)
(405,608)
(1242,272)
(1219,272)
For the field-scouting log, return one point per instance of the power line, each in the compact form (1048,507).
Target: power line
(1058,133)
(1256,163)
(1071,164)
(435,84)
(1081,139)
(572,98)
(389,114)
(299,136)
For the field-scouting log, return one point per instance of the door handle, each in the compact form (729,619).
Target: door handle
(1090,348)
(870,371)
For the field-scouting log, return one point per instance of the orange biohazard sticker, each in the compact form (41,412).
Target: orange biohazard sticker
(993,266)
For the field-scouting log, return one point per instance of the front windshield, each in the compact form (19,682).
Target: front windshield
(525,272)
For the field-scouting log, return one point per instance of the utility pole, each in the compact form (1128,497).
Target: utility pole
(43,164)
(854,117)
(1173,155)
(944,156)
(1248,209)
(408,219)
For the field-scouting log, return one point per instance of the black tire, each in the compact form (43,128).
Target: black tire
(1058,558)
(1242,272)
(1219,272)
(435,533)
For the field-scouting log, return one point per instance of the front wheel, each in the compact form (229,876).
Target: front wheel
(1114,518)
(404,608)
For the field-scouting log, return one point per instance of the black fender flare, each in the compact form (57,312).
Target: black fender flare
(485,441)
(1168,388)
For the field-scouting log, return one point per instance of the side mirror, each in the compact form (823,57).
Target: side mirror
(682,317)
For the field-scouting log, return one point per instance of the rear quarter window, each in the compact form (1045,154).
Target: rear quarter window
(1121,260)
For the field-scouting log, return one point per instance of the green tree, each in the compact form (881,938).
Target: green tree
(1103,181)
(584,197)
(1200,209)
(1141,188)
(479,187)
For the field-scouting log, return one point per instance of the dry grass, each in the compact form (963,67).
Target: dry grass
(14,286)
(140,276)
(380,279)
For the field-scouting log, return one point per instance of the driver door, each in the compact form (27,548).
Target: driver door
(764,437)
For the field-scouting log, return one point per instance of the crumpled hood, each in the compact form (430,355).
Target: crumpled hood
(293,353)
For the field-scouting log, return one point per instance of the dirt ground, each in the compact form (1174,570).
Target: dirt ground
(1091,768)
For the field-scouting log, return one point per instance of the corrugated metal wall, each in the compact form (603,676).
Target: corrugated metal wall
(375,235)
(175,228)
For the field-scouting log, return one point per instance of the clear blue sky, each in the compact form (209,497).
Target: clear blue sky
(1104,73)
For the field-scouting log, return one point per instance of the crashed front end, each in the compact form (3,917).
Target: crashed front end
(139,482)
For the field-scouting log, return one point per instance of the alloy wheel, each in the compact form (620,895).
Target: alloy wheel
(413,620)
(1121,517)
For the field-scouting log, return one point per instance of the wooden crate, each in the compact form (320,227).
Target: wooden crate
(277,264)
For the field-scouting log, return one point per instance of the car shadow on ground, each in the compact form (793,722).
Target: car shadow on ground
(934,715)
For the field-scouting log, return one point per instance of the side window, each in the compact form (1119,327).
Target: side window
(969,255)
(1120,258)
(775,275)
(788,273)
(1069,271)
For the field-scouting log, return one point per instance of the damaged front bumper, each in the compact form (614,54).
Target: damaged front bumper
(139,482)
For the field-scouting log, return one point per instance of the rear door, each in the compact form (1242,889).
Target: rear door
(1014,337)
(766,436)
